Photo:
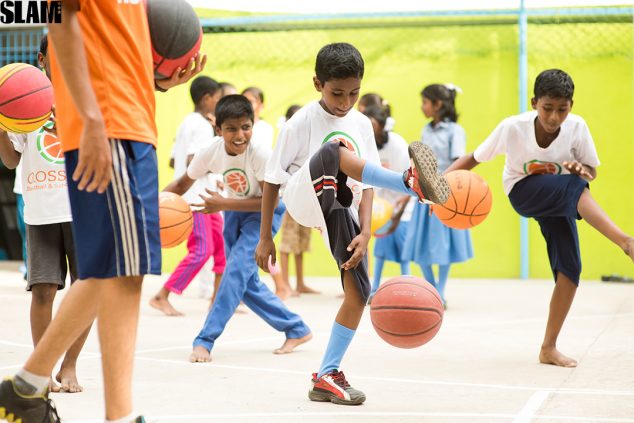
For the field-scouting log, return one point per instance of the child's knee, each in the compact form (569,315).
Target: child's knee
(44,293)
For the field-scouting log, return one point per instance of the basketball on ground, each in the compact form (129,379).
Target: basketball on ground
(406,311)
(175,219)
(469,203)
(176,35)
(26,98)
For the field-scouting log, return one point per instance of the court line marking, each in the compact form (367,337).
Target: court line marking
(397,380)
(531,407)
(189,417)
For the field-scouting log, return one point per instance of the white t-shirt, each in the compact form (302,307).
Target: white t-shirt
(515,137)
(262,133)
(241,174)
(17,182)
(43,173)
(301,137)
(394,156)
(193,134)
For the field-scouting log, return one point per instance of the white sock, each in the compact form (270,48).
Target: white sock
(127,419)
(38,384)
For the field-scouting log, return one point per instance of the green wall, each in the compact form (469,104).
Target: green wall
(482,60)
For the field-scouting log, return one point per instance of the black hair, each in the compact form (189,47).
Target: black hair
(256,92)
(224,86)
(201,86)
(377,113)
(554,83)
(44,45)
(338,61)
(447,98)
(231,107)
(292,110)
(374,99)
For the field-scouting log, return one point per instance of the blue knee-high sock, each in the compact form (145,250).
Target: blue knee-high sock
(340,338)
(428,272)
(378,176)
(405,267)
(378,269)
(443,275)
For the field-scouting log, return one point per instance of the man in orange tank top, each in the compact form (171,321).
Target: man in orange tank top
(103,78)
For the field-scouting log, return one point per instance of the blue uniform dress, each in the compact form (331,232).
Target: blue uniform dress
(428,240)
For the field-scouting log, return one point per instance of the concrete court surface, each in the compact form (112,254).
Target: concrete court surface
(481,367)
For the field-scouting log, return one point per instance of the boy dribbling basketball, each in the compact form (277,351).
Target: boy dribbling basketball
(550,159)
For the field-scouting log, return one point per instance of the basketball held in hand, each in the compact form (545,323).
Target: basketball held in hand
(175,219)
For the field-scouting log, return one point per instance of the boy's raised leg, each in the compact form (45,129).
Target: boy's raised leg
(592,213)
(42,298)
(560,303)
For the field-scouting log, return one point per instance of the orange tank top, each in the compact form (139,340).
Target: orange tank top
(118,51)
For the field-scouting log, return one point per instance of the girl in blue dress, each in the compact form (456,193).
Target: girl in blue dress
(428,241)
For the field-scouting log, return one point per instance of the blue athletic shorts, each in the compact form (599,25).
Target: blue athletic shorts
(552,201)
(117,233)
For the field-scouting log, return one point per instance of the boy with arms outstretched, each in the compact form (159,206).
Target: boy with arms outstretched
(326,159)
(242,165)
(550,158)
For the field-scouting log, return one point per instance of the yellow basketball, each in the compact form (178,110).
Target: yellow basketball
(381,213)
(26,98)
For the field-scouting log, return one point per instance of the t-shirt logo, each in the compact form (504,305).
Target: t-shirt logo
(342,137)
(237,181)
(537,167)
(49,146)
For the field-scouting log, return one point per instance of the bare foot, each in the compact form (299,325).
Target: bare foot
(200,354)
(52,386)
(307,290)
(629,248)
(553,356)
(291,343)
(283,293)
(67,377)
(165,306)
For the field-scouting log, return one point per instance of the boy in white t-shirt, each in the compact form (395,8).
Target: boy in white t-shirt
(242,165)
(326,160)
(550,158)
(49,236)
(194,134)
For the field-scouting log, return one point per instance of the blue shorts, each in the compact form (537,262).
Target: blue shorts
(552,201)
(117,233)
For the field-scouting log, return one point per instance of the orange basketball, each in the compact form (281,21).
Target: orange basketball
(469,203)
(26,98)
(406,311)
(175,219)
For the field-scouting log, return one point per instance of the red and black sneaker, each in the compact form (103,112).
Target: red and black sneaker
(423,177)
(334,387)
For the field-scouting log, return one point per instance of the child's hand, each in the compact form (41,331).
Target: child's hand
(264,252)
(212,204)
(577,168)
(359,246)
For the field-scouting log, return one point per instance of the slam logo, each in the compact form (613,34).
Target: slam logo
(30,12)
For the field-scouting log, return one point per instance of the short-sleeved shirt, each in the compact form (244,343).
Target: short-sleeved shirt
(241,174)
(394,156)
(515,137)
(193,135)
(43,174)
(447,140)
(262,133)
(311,127)
(116,40)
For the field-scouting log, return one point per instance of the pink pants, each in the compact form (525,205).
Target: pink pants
(205,240)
